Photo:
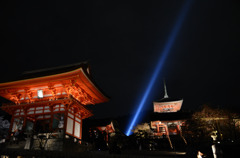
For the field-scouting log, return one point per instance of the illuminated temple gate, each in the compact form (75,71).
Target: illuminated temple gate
(51,102)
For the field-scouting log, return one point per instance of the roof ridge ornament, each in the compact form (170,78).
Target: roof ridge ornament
(165,90)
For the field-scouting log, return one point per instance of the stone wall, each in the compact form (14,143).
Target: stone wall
(48,144)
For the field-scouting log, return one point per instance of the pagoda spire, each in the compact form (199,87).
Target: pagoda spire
(165,90)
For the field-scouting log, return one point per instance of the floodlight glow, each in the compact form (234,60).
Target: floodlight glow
(40,93)
(160,63)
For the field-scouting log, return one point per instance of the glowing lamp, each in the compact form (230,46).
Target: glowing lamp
(40,93)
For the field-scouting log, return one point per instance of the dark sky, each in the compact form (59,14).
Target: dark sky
(123,41)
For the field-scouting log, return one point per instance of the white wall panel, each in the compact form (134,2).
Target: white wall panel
(77,129)
(69,126)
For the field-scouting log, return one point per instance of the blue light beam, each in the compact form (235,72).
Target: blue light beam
(161,60)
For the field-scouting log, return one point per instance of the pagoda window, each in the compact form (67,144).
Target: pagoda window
(31,111)
(19,112)
(77,119)
(40,93)
(57,108)
(46,109)
(39,110)
(70,115)
(39,117)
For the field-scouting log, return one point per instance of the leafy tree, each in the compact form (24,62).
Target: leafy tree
(204,122)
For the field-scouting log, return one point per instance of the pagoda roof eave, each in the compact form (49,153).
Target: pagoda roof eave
(166,100)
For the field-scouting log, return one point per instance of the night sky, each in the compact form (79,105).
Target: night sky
(123,40)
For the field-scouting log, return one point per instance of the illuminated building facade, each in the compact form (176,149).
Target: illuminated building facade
(166,120)
(51,103)
(107,129)
(100,132)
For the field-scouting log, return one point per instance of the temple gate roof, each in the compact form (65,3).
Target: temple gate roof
(57,82)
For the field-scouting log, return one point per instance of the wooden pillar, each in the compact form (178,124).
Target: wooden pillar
(24,119)
(166,129)
(81,130)
(65,118)
(11,125)
(178,128)
(74,120)
(51,122)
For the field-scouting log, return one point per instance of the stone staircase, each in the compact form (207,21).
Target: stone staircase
(178,142)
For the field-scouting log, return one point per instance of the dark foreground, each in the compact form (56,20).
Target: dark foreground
(96,154)
(228,151)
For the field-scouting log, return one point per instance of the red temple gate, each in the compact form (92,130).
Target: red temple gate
(52,103)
